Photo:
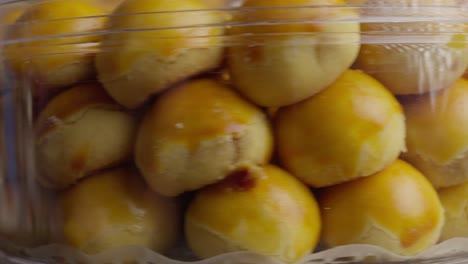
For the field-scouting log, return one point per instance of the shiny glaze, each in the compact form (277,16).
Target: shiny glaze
(165,43)
(53,18)
(70,102)
(276,215)
(196,111)
(115,204)
(398,199)
(331,127)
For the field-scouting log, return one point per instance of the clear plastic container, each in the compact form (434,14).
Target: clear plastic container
(256,131)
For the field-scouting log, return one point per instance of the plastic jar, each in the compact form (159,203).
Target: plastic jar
(256,131)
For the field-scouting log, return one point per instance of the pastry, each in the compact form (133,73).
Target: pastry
(437,136)
(264,210)
(282,64)
(352,129)
(396,208)
(455,202)
(415,57)
(80,131)
(115,208)
(198,133)
(56,58)
(135,65)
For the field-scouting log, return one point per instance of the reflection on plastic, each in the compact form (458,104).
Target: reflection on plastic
(451,251)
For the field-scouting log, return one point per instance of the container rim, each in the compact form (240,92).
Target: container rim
(388,15)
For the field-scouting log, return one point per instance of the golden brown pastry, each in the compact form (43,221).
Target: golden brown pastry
(281,64)
(353,128)
(437,137)
(455,202)
(415,58)
(198,133)
(396,208)
(133,66)
(115,208)
(260,209)
(55,62)
(80,131)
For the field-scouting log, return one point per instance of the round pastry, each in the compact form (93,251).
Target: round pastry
(433,60)
(396,208)
(281,64)
(133,66)
(353,128)
(81,130)
(55,62)
(455,202)
(115,208)
(269,212)
(198,133)
(437,136)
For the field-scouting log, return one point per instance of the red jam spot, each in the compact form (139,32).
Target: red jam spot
(241,180)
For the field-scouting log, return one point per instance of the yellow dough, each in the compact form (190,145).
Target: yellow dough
(277,65)
(133,66)
(54,62)
(396,208)
(115,208)
(264,210)
(437,136)
(198,133)
(406,63)
(353,128)
(81,130)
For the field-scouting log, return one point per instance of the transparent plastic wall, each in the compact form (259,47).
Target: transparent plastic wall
(212,131)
